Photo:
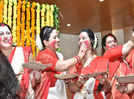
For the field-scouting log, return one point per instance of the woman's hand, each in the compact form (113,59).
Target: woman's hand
(122,88)
(35,78)
(130,88)
(73,87)
(106,85)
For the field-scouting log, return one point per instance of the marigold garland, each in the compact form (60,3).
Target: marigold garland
(38,18)
(43,16)
(5,11)
(23,24)
(18,22)
(38,22)
(51,15)
(1,10)
(47,15)
(33,28)
(28,24)
(14,21)
(10,13)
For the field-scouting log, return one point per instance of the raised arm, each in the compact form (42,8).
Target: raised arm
(66,64)
(127,47)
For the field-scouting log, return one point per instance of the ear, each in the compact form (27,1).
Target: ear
(45,42)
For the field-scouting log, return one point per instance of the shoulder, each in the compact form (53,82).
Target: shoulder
(46,56)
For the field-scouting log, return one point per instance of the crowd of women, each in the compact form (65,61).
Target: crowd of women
(17,82)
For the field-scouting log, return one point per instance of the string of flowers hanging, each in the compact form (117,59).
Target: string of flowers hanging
(14,22)
(1,10)
(43,15)
(38,22)
(48,15)
(23,24)
(51,15)
(33,28)
(5,11)
(18,22)
(28,24)
(10,13)
(38,18)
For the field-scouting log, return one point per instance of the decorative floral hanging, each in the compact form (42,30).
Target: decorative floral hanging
(14,21)
(38,18)
(28,24)
(23,24)
(5,11)
(43,15)
(10,13)
(51,15)
(18,22)
(33,28)
(38,22)
(1,10)
(48,15)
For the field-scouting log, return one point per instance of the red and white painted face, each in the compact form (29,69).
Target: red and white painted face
(83,38)
(54,39)
(110,42)
(5,37)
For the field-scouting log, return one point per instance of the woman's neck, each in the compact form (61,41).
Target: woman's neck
(89,55)
(6,51)
(54,50)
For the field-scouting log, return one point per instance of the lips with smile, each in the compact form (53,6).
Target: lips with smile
(7,40)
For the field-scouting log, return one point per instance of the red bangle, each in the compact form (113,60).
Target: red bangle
(77,58)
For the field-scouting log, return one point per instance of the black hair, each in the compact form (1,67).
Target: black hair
(103,43)
(45,33)
(90,35)
(133,29)
(3,24)
(9,85)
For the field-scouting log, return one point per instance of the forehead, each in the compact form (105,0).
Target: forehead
(54,32)
(83,34)
(109,38)
(4,28)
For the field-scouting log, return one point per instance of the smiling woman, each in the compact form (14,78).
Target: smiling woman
(16,62)
(5,36)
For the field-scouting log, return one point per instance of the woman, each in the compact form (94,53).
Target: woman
(50,41)
(118,66)
(12,54)
(89,88)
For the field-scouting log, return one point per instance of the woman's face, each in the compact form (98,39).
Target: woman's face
(110,42)
(54,39)
(83,38)
(5,37)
